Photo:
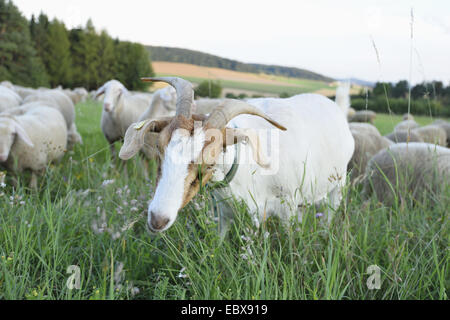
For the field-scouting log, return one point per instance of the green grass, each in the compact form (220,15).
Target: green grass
(43,233)
(301,85)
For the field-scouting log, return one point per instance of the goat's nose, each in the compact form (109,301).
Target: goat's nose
(3,158)
(107,107)
(157,222)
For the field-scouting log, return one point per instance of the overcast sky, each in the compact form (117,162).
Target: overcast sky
(329,37)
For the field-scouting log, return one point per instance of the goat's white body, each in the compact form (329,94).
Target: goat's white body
(313,156)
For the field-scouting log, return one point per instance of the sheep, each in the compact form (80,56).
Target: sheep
(120,110)
(8,99)
(406,125)
(363,116)
(415,168)
(23,92)
(408,116)
(32,140)
(300,171)
(368,141)
(58,100)
(7,84)
(81,94)
(404,136)
(350,113)
(163,103)
(446,126)
(432,134)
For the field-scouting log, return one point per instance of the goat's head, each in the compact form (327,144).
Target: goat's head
(112,91)
(188,145)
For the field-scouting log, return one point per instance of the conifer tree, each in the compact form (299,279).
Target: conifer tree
(19,62)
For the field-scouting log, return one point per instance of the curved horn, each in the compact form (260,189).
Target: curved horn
(185,93)
(230,109)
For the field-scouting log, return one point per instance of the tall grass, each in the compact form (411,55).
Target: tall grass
(88,213)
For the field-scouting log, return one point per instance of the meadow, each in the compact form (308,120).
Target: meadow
(90,211)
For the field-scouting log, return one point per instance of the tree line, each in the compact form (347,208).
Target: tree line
(44,53)
(427,98)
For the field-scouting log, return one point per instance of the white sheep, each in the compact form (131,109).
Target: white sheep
(368,141)
(32,140)
(418,169)
(363,116)
(433,134)
(8,99)
(57,99)
(404,136)
(406,125)
(120,110)
(446,126)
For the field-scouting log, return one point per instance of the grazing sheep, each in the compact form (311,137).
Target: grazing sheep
(406,125)
(32,140)
(8,99)
(404,136)
(350,113)
(163,104)
(408,116)
(120,110)
(81,94)
(368,141)
(432,134)
(363,116)
(408,168)
(23,92)
(7,84)
(58,100)
(446,126)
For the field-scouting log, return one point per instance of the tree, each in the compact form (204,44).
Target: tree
(400,89)
(58,59)
(381,88)
(211,89)
(85,47)
(133,64)
(108,64)
(19,62)
(419,91)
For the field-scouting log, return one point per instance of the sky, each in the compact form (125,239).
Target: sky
(369,40)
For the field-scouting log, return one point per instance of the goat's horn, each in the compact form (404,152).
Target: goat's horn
(185,93)
(230,109)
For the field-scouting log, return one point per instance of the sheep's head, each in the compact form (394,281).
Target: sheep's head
(188,146)
(112,90)
(9,130)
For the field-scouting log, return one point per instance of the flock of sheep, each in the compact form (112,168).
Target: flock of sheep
(37,126)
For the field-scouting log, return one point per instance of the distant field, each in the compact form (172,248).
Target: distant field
(248,83)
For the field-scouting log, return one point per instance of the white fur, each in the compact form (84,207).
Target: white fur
(313,156)
(180,152)
(124,109)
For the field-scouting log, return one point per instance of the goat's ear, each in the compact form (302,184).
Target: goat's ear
(23,135)
(134,139)
(250,136)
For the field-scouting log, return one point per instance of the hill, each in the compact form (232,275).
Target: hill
(207,60)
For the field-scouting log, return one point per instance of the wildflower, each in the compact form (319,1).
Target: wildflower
(2,185)
(319,215)
(107,182)
(182,274)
